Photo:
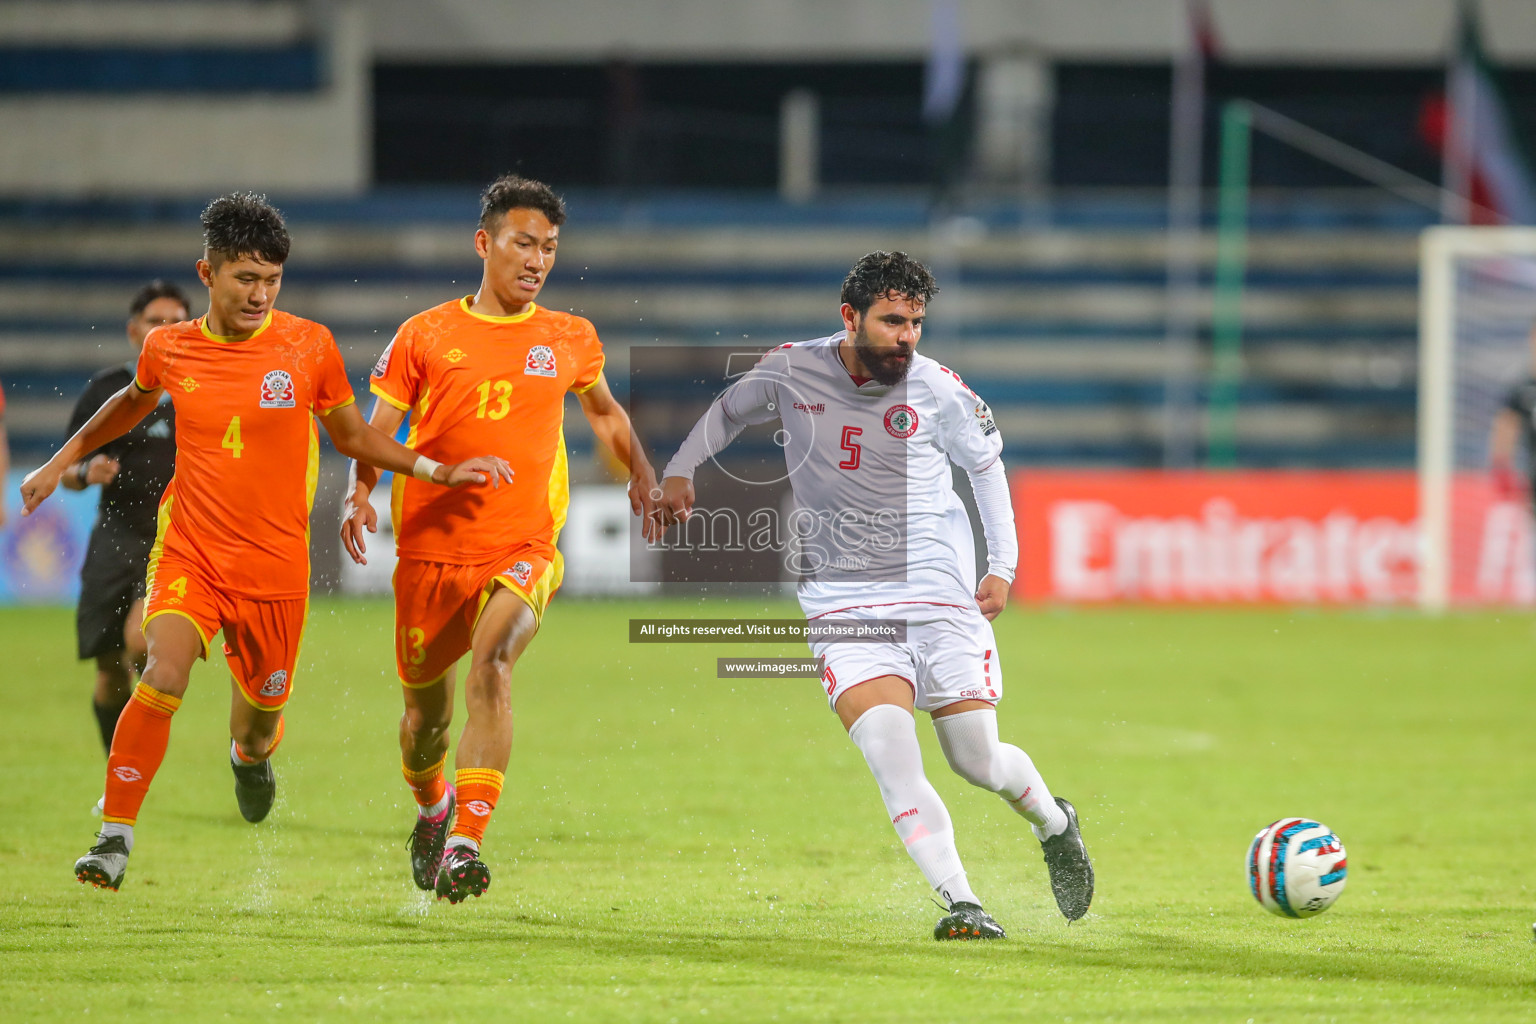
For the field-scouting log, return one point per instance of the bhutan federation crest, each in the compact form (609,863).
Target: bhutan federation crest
(277,390)
(541,361)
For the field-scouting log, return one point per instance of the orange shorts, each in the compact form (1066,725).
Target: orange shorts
(261,638)
(438,604)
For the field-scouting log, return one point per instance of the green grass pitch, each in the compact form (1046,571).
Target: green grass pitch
(675,847)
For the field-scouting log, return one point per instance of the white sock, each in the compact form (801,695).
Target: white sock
(454,841)
(437,809)
(117,828)
(970,743)
(887,737)
(237,758)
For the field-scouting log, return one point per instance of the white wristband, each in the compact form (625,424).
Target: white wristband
(424,469)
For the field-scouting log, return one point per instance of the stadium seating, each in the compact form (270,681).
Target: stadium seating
(1054,311)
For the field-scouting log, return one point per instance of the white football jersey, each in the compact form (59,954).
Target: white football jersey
(869,466)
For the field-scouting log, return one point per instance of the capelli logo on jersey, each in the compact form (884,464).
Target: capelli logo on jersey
(814,408)
(522,572)
(277,390)
(188,384)
(541,361)
(901,421)
(275,685)
(453,355)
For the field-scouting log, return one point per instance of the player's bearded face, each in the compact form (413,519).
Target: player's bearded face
(886,336)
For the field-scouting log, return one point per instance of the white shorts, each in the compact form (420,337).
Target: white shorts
(950,655)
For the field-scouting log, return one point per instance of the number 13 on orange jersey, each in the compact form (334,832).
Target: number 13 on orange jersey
(503,400)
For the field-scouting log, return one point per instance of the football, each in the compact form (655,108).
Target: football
(1296,867)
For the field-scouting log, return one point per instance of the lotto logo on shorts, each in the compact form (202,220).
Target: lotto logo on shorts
(277,390)
(127,774)
(479,808)
(901,421)
(541,361)
(522,572)
(276,683)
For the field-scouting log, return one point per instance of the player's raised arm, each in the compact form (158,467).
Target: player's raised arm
(116,417)
(752,399)
(356,439)
(611,425)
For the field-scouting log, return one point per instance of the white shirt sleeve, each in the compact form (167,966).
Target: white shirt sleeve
(995,504)
(968,434)
(752,399)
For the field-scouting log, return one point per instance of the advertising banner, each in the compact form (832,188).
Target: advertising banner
(40,554)
(1324,537)
(1217,537)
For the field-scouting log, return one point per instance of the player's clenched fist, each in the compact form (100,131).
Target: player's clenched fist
(37,485)
(992,596)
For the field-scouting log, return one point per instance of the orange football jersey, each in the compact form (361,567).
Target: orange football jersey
(484,385)
(247,452)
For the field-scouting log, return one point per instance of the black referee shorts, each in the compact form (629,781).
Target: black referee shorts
(111,579)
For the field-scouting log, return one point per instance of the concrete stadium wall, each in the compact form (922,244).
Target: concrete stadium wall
(159,144)
(1299,31)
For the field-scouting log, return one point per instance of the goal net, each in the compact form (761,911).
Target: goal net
(1477,308)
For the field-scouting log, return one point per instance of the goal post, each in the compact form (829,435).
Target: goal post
(1477,306)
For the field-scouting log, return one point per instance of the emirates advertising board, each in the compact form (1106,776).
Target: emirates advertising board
(1259,537)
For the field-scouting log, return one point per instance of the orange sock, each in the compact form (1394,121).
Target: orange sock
(477,792)
(245,758)
(138,747)
(429,785)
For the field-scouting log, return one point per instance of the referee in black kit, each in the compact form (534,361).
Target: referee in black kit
(132,473)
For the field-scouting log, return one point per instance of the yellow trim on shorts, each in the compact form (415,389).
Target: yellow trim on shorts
(152,616)
(537,602)
(263,707)
(422,686)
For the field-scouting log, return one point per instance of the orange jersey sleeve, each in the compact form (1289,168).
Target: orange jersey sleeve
(332,388)
(589,355)
(396,377)
(147,375)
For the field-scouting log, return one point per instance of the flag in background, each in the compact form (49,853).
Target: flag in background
(1486,169)
(944,77)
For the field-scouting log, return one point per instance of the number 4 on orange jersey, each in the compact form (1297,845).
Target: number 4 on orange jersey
(232,437)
